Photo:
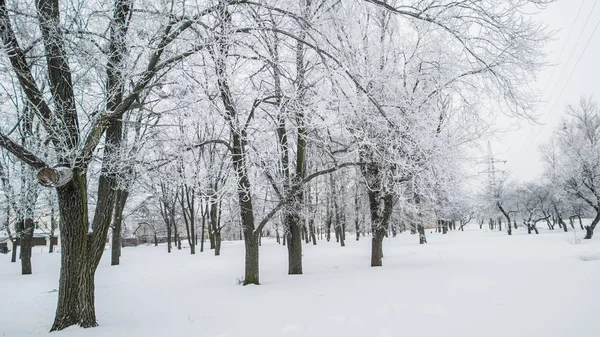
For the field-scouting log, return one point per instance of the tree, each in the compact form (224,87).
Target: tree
(62,111)
(573,155)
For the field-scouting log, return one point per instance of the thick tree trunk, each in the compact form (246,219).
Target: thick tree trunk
(72,199)
(377,247)
(589,232)
(26,228)
(294,245)
(251,272)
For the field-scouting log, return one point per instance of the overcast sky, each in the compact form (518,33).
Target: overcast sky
(565,81)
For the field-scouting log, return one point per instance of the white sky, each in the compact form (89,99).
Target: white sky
(561,83)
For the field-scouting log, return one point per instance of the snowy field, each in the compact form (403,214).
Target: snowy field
(472,283)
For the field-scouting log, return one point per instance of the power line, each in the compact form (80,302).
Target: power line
(576,64)
(587,20)
(562,50)
(548,112)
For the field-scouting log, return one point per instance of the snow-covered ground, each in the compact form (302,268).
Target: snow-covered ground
(472,283)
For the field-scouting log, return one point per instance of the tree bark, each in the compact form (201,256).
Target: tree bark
(589,230)
(422,237)
(377,247)
(294,245)
(15,247)
(25,227)
(72,199)
(120,201)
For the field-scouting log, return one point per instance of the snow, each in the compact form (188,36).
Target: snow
(472,283)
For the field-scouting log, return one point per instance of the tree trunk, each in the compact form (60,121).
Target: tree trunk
(53,226)
(25,227)
(328,225)
(251,273)
(580,222)
(313,235)
(15,246)
(294,244)
(422,237)
(71,307)
(120,201)
(589,230)
(217,235)
(169,242)
(155,240)
(377,247)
